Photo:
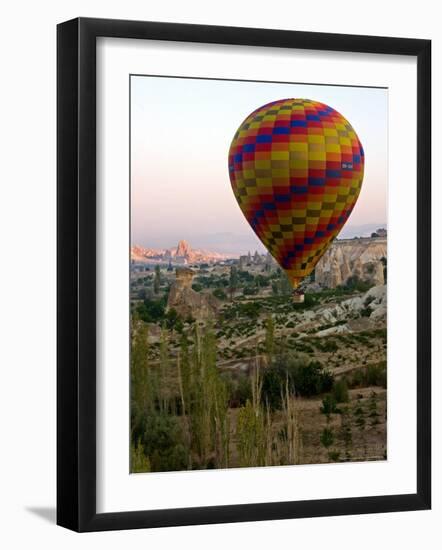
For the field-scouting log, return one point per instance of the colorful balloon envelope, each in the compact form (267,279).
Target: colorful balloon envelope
(296,168)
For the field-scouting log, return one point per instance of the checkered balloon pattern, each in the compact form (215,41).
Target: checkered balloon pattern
(296,168)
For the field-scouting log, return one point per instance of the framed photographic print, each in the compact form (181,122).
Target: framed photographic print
(243,274)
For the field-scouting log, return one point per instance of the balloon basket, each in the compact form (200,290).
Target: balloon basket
(298,297)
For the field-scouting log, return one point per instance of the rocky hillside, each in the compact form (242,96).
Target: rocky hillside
(364,312)
(362,258)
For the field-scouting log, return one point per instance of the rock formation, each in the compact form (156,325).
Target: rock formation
(183,249)
(360,258)
(186,301)
(364,312)
(182,254)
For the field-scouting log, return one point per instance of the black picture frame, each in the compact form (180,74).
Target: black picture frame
(76,273)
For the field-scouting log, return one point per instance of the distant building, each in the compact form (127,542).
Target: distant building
(265,260)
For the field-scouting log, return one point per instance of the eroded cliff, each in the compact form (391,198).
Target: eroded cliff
(362,258)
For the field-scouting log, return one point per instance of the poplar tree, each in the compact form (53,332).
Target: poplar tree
(140,387)
(157,280)
(139,462)
(233,281)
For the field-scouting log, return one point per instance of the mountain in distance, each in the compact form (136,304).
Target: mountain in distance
(182,254)
(365,230)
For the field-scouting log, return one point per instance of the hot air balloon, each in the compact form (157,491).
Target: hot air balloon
(296,168)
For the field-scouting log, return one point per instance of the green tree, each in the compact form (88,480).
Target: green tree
(329,406)
(290,436)
(312,379)
(327,437)
(151,311)
(346,432)
(163,443)
(373,409)
(240,391)
(250,290)
(173,320)
(233,281)
(359,418)
(340,391)
(157,280)
(251,429)
(141,295)
(206,403)
(220,294)
(261,281)
(305,378)
(143,385)
(184,374)
(139,462)
(361,423)
(250,433)
(164,368)
(284,284)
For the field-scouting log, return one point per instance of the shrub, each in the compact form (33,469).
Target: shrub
(272,387)
(151,311)
(309,300)
(358,378)
(376,376)
(360,422)
(173,320)
(355,283)
(305,348)
(220,294)
(240,391)
(340,391)
(250,310)
(329,406)
(366,311)
(250,290)
(327,437)
(312,379)
(304,377)
(334,456)
(161,438)
(330,346)
(372,375)
(141,295)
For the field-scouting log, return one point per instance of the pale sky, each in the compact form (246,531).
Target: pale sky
(181,130)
